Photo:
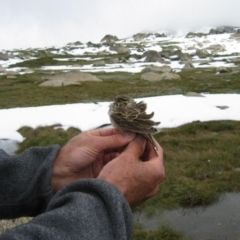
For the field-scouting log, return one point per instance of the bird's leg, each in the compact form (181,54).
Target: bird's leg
(152,141)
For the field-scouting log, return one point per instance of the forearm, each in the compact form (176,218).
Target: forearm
(26,181)
(85,209)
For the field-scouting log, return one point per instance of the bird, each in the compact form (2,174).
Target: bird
(128,115)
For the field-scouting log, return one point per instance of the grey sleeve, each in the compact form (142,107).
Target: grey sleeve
(25,181)
(88,209)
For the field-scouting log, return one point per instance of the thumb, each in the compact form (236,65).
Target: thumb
(114,141)
(135,148)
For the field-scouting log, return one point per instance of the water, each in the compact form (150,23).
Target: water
(220,221)
(9,146)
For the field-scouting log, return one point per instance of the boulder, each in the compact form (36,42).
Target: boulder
(151,76)
(99,63)
(139,36)
(4,56)
(73,77)
(222,70)
(193,34)
(2,69)
(152,56)
(120,49)
(188,66)
(221,30)
(109,39)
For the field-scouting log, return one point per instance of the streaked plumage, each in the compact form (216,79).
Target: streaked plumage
(128,115)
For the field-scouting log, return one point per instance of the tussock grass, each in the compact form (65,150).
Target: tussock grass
(44,136)
(164,233)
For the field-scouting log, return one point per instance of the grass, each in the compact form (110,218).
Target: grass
(164,233)
(201,161)
(44,136)
(24,90)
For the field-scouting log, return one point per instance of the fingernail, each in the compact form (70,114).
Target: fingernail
(129,135)
(140,138)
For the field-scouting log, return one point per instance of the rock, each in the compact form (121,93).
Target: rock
(157,69)
(152,76)
(2,69)
(222,107)
(103,53)
(114,60)
(99,63)
(94,45)
(222,70)
(120,49)
(166,68)
(188,66)
(223,29)
(109,39)
(193,94)
(11,77)
(202,53)
(152,56)
(73,77)
(4,56)
(185,58)
(28,70)
(139,36)
(170,76)
(12,73)
(193,35)
(216,48)
(165,54)
(160,35)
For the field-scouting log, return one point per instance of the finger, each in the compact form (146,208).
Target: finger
(114,141)
(103,132)
(135,148)
(109,157)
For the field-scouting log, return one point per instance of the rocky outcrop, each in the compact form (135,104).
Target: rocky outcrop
(194,34)
(221,30)
(152,56)
(109,39)
(73,77)
(4,56)
(120,49)
(139,36)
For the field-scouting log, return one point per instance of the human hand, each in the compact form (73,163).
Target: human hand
(137,180)
(85,155)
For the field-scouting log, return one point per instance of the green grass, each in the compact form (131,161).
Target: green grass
(201,161)
(24,90)
(162,233)
(44,136)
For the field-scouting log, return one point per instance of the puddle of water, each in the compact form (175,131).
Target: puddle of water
(220,221)
(9,146)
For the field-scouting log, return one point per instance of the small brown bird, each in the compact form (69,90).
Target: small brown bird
(128,115)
